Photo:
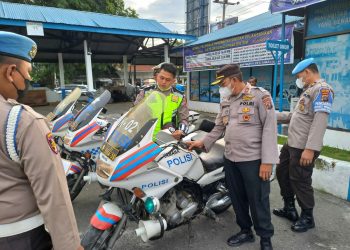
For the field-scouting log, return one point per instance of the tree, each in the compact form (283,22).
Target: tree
(44,72)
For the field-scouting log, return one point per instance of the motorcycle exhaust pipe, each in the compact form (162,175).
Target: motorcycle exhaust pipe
(151,228)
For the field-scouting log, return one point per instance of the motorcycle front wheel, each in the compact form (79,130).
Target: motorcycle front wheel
(91,238)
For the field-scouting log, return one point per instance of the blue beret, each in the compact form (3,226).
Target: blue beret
(302,65)
(18,46)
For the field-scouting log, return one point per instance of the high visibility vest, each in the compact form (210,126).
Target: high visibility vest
(166,111)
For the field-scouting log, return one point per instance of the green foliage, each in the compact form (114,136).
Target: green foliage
(335,153)
(43,73)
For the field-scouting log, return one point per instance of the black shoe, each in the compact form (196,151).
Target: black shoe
(304,223)
(265,244)
(288,211)
(240,238)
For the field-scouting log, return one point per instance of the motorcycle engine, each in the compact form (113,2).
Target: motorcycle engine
(178,207)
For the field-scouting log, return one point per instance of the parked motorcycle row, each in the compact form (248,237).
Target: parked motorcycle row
(156,182)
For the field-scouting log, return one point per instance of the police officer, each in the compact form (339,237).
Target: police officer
(253,81)
(176,110)
(247,118)
(35,208)
(307,125)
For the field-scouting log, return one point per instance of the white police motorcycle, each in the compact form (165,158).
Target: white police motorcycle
(160,184)
(82,142)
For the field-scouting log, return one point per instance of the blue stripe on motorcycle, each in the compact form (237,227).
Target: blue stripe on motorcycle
(104,219)
(122,164)
(135,164)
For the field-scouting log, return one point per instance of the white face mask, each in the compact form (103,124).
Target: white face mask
(225,92)
(300,83)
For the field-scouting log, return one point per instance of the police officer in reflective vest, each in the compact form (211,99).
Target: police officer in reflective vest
(307,126)
(175,110)
(247,117)
(35,207)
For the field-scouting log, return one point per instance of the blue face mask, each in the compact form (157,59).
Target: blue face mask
(22,92)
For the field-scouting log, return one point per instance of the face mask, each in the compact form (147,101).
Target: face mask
(22,92)
(225,92)
(300,83)
(162,89)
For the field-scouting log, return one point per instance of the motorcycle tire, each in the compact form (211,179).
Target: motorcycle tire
(71,179)
(90,238)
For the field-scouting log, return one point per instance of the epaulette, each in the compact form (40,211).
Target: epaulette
(262,89)
(12,122)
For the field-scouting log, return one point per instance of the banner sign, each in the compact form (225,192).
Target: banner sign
(248,50)
(329,17)
(332,58)
(277,6)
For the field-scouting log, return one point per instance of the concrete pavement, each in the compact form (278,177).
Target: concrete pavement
(332,217)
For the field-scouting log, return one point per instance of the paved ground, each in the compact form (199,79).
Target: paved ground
(332,217)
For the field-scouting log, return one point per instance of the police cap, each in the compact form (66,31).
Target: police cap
(18,46)
(303,65)
(226,71)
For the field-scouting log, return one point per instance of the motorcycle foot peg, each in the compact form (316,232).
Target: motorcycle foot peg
(221,188)
(210,213)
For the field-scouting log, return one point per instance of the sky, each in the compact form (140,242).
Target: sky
(172,13)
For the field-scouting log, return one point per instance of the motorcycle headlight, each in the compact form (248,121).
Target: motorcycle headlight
(152,205)
(103,169)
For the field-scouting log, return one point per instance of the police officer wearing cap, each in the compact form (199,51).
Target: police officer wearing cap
(247,117)
(35,207)
(175,109)
(307,126)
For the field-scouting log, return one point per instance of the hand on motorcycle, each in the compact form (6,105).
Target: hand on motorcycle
(265,171)
(195,144)
(177,134)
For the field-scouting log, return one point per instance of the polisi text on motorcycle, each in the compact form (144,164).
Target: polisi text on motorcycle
(180,160)
(155,184)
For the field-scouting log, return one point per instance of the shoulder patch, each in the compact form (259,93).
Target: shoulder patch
(51,142)
(323,100)
(267,101)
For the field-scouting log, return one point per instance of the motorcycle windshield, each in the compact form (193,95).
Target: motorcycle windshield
(64,105)
(90,111)
(134,126)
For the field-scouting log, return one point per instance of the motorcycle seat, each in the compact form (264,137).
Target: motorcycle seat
(214,159)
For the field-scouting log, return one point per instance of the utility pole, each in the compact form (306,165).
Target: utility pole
(224,2)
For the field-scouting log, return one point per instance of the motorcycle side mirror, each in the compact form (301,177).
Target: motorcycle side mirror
(104,111)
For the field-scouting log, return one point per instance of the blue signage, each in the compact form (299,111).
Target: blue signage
(277,6)
(278,45)
(332,55)
(329,17)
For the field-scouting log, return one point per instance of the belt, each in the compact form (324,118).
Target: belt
(22,226)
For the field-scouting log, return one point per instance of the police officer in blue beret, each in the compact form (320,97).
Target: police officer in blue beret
(33,188)
(307,126)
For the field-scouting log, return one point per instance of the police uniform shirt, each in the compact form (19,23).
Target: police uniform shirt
(183,111)
(249,123)
(308,122)
(37,184)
